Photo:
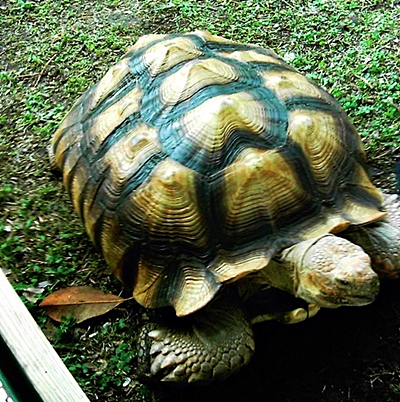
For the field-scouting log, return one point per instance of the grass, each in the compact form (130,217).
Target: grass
(53,50)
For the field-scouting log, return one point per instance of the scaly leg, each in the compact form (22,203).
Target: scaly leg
(217,342)
(381,240)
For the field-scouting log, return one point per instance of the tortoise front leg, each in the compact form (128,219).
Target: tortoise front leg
(381,240)
(216,343)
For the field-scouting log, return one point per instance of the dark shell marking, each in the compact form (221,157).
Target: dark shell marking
(195,159)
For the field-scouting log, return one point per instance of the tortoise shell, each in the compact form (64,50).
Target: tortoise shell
(196,159)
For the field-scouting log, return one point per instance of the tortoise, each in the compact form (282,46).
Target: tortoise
(208,172)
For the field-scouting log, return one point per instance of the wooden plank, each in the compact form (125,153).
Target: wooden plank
(39,361)
(14,379)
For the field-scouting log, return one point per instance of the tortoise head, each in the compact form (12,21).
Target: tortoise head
(332,272)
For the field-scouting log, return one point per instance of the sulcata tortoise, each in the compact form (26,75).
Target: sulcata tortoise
(209,172)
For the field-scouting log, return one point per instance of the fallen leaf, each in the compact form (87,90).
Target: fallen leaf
(32,294)
(44,284)
(80,302)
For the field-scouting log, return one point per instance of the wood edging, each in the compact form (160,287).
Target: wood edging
(33,352)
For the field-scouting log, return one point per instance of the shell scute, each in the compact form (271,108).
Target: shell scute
(258,194)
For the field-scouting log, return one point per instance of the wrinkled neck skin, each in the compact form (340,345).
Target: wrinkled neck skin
(328,271)
(281,273)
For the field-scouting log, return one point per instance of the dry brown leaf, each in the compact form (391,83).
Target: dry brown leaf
(80,302)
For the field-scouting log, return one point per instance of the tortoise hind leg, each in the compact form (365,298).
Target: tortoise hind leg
(381,240)
(217,342)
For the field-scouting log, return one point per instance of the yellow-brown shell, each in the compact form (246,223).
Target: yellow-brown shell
(195,159)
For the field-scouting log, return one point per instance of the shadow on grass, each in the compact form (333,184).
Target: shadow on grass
(348,354)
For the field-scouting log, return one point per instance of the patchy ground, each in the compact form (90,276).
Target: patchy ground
(51,51)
